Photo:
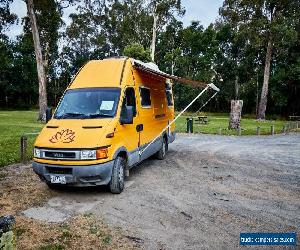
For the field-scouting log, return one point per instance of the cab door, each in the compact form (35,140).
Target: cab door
(130,133)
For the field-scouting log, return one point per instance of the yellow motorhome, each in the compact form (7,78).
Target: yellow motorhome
(105,124)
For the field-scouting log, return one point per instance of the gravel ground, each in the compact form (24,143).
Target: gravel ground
(207,191)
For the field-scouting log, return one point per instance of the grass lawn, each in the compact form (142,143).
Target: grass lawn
(13,124)
(215,122)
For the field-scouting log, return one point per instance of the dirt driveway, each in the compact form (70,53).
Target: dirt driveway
(207,191)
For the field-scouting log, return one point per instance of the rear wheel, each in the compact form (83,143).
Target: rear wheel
(116,184)
(161,154)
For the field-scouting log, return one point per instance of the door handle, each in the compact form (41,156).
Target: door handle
(139,127)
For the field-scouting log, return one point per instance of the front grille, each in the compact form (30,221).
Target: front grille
(60,155)
(59,170)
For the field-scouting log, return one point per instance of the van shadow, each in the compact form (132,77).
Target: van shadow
(151,163)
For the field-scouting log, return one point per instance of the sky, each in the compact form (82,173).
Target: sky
(204,11)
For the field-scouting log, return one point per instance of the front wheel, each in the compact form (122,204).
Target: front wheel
(161,154)
(116,184)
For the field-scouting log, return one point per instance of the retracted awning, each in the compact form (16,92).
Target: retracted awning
(152,68)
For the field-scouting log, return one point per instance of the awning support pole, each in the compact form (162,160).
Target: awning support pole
(169,125)
(207,102)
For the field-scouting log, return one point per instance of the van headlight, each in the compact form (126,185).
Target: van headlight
(37,153)
(100,153)
(88,155)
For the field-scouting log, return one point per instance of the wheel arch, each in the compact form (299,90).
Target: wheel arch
(122,151)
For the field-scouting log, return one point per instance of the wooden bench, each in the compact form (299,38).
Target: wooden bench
(202,119)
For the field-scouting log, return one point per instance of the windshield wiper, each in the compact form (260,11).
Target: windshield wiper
(66,115)
(99,115)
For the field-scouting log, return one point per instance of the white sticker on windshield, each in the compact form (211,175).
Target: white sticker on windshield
(107,105)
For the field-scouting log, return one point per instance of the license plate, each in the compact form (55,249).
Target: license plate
(58,179)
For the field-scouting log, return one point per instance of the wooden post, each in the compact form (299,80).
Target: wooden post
(23,149)
(272,130)
(258,130)
(235,114)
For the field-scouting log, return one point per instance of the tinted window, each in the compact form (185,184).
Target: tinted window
(129,100)
(88,103)
(145,97)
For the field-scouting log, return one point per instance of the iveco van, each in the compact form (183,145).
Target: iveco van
(105,124)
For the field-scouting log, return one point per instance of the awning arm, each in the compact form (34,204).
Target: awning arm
(169,125)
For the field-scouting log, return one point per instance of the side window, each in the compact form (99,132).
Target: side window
(145,97)
(129,99)
(169,94)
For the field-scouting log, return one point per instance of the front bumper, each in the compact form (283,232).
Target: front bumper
(91,175)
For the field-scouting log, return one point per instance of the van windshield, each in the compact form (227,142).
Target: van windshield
(88,103)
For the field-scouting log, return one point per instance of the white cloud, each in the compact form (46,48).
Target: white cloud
(205,11)
(19,8)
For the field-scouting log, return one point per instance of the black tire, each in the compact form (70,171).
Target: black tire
(161,154)
(116,184)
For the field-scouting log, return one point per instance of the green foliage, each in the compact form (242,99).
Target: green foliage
(6,17)
(250,25)
(234,46)
(137,51)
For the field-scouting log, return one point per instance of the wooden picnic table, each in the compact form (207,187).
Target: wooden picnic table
(202,119)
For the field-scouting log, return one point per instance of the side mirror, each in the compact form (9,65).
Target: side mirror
(127,115)
(48,114)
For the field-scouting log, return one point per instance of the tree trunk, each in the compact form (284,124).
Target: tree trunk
(39,61)
(236,85)
(154,29)
(264,92)
(235,114)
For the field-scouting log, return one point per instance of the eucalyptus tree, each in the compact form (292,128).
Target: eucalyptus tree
(162,11)
(45,19)
(267,24)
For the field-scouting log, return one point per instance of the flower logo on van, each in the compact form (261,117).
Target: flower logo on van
(64,136)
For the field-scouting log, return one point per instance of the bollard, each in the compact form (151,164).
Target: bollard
(23,149)
(258,131)
(189,125)
(272,130)
(239,131)
(7,237)
(220,131)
